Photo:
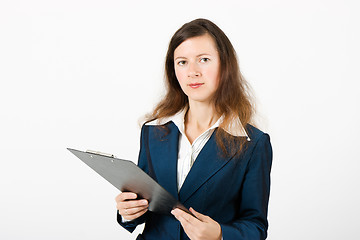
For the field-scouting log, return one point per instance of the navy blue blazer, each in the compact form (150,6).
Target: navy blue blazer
(233,190)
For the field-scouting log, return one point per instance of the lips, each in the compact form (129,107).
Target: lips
(195,85)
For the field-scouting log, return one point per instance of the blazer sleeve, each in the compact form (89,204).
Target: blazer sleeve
(252,222)
(142,163)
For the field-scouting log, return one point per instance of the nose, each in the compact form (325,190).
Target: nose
(193,70)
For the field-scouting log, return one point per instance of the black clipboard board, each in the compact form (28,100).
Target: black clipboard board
(128,177)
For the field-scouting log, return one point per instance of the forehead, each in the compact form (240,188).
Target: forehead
(194,46)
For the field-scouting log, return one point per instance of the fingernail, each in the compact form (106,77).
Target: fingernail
(144,202)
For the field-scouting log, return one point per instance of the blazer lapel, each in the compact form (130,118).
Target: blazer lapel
(208,162)
(163,150)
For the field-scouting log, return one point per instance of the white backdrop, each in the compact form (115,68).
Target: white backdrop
(80,74)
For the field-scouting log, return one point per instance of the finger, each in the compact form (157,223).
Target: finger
(180,214)
(137,215)
(140,213)
(132,211)
(132,204)
(208,224)
(125,196)
(189,227)
(184,222)
(199,216)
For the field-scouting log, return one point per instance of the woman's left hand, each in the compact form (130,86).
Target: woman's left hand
(199,228)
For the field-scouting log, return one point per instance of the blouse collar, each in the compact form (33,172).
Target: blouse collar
(235,128)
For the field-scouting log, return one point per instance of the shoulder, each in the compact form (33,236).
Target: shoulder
(255,134)
(158,131)
(259,142)
(260,149)
(156,127)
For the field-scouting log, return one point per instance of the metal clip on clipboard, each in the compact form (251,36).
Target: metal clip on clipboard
(101,153)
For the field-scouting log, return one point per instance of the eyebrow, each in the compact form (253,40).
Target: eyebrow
(202,54)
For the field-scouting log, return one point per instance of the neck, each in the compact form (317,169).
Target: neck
(201,115)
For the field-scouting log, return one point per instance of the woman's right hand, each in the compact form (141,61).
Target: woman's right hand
(128,207)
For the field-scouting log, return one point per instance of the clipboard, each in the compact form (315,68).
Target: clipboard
(128,177)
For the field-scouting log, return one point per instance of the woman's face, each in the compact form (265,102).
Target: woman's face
(197,68)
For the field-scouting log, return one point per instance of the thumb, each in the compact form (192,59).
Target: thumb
(198,215)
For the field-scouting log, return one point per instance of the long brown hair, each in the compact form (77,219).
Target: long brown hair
(232,98)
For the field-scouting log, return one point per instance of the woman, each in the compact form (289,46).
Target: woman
(202,147)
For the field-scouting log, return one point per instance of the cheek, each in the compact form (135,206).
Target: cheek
(214,75)
(181,77)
